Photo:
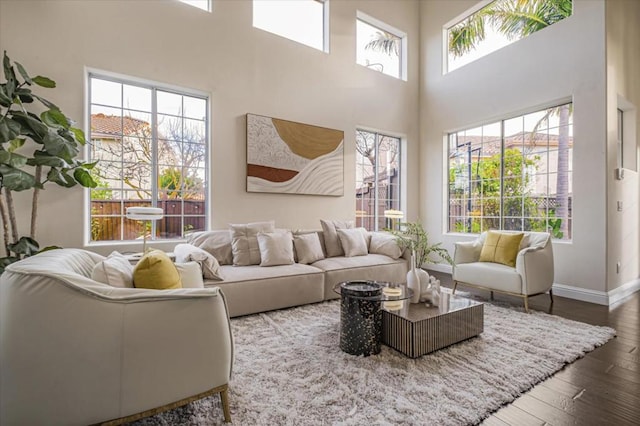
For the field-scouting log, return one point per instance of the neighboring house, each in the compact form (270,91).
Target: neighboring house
(123,146)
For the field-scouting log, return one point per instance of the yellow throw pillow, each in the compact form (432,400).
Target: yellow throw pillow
(156,271)
(501,247)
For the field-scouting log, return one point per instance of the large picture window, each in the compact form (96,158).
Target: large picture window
(377,179)
(513,174)
(151,143)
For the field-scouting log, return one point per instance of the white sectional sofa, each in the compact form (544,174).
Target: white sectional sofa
(254,288)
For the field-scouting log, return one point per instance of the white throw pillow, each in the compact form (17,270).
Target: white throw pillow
(354,241)
(244,242)
(115,270)
(209,264)
(190,274)
(331,240)
(276,248)
(384,243)
(308,248)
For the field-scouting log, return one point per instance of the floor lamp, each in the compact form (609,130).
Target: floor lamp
(394,215)
(144,214)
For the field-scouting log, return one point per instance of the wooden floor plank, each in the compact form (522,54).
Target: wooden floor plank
(602,388)
(513,415)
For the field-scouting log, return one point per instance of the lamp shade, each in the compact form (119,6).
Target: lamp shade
(393,214)
(144,213)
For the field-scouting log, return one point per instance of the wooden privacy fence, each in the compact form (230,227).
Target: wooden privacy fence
(108,221)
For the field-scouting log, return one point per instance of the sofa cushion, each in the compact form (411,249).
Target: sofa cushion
(308,247)
(190,274)
(115,270)
(244,242)
(385,243)
(210,268)
(217,243)
(331,240)
(493,276)
(257,273)
(276,248)
(353,241)
(501,248)
(335,263)
(156,271)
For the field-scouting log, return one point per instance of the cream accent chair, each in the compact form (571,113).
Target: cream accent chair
(532,275)
(74,351)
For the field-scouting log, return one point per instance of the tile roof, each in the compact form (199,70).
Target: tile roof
(116,125)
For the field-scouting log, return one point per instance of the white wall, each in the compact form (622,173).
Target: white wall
(244,69)
(623,69)
(564,61)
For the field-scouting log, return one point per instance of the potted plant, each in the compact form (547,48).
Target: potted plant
(413,237)
(35,149)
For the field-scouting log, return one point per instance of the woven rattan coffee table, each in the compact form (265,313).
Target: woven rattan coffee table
(417,329)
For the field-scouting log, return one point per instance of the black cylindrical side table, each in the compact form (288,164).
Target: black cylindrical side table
(360,317)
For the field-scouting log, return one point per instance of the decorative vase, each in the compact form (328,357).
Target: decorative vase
(413,281)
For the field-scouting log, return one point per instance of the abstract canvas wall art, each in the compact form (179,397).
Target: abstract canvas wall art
(293,158)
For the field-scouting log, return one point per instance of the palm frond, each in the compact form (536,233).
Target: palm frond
(466,35)
(384,42)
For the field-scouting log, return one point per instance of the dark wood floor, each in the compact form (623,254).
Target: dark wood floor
(603,388)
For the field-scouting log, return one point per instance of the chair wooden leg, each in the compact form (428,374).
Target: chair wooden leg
(551,295)
(455,284)
(224,399)
(491,297)
(526,303)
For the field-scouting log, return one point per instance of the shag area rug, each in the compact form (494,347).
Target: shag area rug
(289,370)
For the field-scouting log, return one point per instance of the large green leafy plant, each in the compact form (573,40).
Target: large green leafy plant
(412,236)
(35,149)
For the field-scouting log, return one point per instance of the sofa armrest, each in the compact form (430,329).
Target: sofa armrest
(466,252)
(173,349)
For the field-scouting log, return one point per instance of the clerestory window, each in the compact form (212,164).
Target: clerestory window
(303,21)
(485,29)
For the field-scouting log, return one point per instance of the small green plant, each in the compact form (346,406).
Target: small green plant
(412,236)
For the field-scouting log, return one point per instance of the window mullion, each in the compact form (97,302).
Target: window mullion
(376,201)
(502,147)
(154,156)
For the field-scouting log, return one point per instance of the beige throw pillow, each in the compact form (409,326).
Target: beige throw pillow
(331,240)
(209,264)
(276,248)
(115,270)
(384,243)
(244,242)
(190,275)
(308,248)
(217,242)
(354,241)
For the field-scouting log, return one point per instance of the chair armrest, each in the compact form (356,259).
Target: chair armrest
(535,266)
(466,252)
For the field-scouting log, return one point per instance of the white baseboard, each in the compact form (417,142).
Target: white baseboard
(583,294)
(626,289)
(572,292)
